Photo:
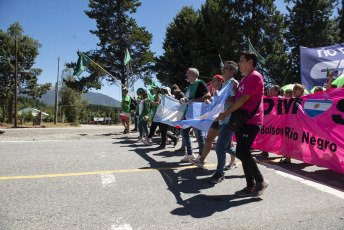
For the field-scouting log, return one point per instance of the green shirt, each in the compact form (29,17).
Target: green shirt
(145,110)
(154,107)
(126,109)
(192,89)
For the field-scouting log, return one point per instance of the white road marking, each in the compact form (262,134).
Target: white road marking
(27,141)
(121,227)
(107,179)
(318,186)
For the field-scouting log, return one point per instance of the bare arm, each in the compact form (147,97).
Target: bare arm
(155,102)
(330,78)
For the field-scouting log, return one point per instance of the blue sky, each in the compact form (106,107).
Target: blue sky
(62,27)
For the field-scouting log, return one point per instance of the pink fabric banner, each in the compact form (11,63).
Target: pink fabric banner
(309,128)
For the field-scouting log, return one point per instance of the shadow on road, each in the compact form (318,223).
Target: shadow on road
(187,181)
(310,172)
(201,206)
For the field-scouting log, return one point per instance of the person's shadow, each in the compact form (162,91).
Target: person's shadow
(202,205)
(188,181)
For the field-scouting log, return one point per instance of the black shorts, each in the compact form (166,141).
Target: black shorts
(215,125)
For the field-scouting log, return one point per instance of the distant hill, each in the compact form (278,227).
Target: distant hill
(94,98)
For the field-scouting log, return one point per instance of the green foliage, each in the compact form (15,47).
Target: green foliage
(27,50)
(25,102)
(71,100)
(309,25)
(340,23)
(196,38)
(116,31)
(181,49)
(28,117)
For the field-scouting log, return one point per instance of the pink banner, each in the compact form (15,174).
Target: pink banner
(309,128)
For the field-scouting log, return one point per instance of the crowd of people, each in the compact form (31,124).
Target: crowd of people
(246,95)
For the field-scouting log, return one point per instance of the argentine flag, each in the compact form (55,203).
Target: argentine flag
(169,110)
(314,107)
(199,115)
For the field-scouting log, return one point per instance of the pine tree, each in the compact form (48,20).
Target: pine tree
(309,25)
(116,31)
(264,26)
(222,27)
(181,49)
(340,22)
(219,35)
(27,50)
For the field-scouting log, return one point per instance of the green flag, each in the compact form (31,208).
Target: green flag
(221,63)
(328,71)
(83,62)
(250,48)
(127,57)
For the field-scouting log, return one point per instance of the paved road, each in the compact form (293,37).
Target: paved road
(94,177)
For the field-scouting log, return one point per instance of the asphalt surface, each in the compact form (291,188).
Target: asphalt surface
(95,177)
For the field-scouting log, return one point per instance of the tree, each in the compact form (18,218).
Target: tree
(181,49)
(340,22)
(27,76)
(309,25)
(264,26)
(116,31)
(222,27)
(220,35)
(71,100)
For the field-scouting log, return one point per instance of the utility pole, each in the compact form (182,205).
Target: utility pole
(57,91)
(15,85)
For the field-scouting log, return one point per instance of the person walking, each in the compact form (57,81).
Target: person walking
(249,98)
(196,92)
(124,116)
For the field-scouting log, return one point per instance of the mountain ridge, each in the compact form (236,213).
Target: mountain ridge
(94,98)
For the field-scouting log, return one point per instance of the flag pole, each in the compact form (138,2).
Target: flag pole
(109,74)
(132,76)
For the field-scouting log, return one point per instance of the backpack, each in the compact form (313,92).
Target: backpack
(133,104)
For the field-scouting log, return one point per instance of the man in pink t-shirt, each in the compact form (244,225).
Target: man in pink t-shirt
(248,97)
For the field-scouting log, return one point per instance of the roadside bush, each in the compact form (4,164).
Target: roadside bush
(27,116)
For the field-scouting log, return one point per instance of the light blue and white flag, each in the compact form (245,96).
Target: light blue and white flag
(315,107)
(199,115)
(169,110)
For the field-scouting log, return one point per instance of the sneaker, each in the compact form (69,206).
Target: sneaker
(134,130)
(198,158)
(232,165)
(197,163)
(244,192)
(187,158)
(216,178)
(125,131)
(161,147)
(145,142)
(139,139)
(259,189)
